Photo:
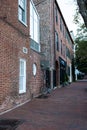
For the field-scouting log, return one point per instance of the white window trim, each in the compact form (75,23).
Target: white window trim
(35,8)
(24,82)
(24,23)
(38,28)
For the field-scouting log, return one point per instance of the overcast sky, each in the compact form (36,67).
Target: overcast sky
(68,8)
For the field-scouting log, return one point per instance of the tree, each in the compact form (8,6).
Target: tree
(81,55)
(81,48)
(81,39)
(82,4)
(81,32)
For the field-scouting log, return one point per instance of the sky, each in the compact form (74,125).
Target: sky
(68,8)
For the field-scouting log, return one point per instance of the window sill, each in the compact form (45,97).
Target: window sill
(22,22)
(22,92)
(38,51)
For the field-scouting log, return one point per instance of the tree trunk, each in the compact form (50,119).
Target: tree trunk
(83,9)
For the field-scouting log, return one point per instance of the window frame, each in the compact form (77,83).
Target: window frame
(61,47)
(60,23)
(23,76)
(57,40)
(24,22)
(35,40)
(56,14)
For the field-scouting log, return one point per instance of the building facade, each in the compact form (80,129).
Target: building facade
(56,43)
(35,50)
(20,71)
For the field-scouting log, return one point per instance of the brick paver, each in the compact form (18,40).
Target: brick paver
(64,109)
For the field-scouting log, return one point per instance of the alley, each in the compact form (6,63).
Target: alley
(64,109)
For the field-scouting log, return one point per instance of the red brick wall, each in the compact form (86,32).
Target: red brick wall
(35,81)
(65,43)
(45,9)
(48,26)
(13,37)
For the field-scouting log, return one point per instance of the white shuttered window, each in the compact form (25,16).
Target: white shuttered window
(22,76)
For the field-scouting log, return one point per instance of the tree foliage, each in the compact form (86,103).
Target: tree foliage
(81,37)
(81,55)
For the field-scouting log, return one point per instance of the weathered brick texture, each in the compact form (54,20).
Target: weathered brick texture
(13,37)
(48,26)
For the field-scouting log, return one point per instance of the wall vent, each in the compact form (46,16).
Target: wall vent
(25,50)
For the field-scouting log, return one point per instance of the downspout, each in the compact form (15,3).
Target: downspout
(52,44)
(54,32)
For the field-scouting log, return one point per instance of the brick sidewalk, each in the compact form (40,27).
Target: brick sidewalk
(64,109)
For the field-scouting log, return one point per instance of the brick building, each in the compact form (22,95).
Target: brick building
(35,49)
(20,71)
(56,43)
